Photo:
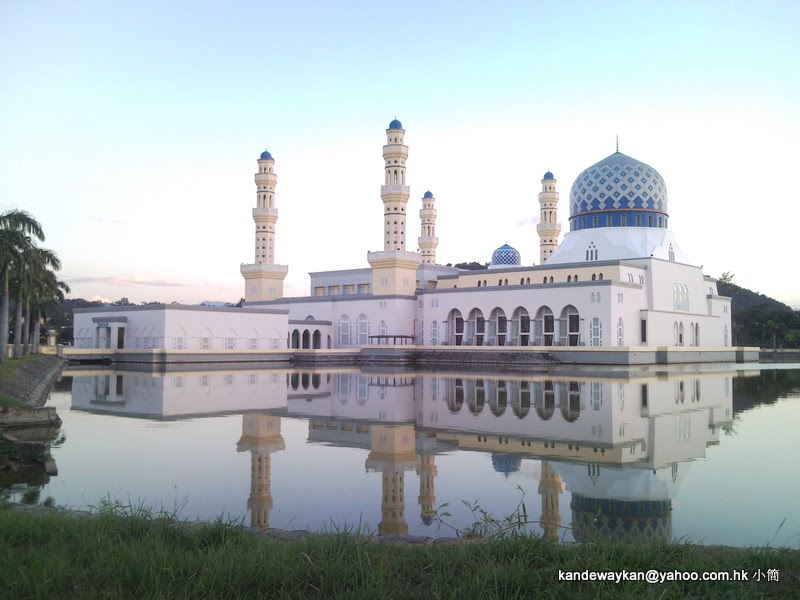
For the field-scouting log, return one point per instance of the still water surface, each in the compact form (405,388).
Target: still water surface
(708,455)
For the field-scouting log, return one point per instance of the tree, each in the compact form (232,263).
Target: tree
(726,277)
(16,227)
(47,296)
(27,269)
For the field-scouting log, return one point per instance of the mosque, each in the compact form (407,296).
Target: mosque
(616,289)
(618,278)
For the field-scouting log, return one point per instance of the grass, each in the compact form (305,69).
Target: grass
(129,552)
(12,363)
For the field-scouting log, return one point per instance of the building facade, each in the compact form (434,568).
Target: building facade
(618,278)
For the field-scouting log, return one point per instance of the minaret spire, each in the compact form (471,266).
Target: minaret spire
(394,191)
(548,228)
(427,239)
(617,142)
(263,278)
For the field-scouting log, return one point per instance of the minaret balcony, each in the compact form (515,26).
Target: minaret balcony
(265,214)
(395,189)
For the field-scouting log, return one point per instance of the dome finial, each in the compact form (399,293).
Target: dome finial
(617,142)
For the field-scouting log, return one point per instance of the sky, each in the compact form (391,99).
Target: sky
(131,130)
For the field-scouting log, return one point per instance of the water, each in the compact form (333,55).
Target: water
(702,454)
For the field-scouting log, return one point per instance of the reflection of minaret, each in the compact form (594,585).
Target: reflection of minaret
(392,452)
(261,436)
(550,490)
(427,472)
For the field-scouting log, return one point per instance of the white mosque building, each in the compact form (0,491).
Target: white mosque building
(618,278)
(617,288)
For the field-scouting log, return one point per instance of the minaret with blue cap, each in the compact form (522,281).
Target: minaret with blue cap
(548,228)
(427,240)
(394,270)
(263,278)
(394,191)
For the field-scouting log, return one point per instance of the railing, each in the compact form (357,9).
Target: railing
(192,343)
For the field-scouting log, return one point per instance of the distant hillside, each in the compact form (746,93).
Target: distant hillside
(759,320)
(743,298)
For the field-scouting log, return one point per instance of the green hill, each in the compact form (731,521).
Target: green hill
(759,320)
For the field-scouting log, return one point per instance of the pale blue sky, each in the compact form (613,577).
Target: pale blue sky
(131,129)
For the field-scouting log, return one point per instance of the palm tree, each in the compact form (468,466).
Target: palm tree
(47,295)
(27,266)
(16,227)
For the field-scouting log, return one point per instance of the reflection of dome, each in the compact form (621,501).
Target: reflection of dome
(428,194)
(548,175)
(596,519)
(395,124)
(506,463)
(265,155)
(506,256)
(617,185)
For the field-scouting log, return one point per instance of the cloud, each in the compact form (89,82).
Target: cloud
(128,281)
(527,222)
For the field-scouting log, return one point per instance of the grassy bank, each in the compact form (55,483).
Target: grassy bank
(20,378)
(8,375)
(131,554)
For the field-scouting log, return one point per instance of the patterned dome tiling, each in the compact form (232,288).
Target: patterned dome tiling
(618,182)
(506,255)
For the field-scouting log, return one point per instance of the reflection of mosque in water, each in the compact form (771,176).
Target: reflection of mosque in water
(619,441)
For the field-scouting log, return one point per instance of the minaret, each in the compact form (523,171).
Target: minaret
(548,228)
(394,271)
(428,240)
(550,490)
(261,436)
(427,472)
(394,191)
(263,278)
(392,453)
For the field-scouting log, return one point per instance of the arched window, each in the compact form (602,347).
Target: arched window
(569,278)
(675,333)
(569,326)
(476,328)
(363,329)
(344,331)
(596,332)
(725,336)
(520,327)
(434,333)
(383,329)
(671,253)
(680,334)
(620,332)
(544,327)
(697,334)
(594,277)
(498,327)
(455,327)
(551,279)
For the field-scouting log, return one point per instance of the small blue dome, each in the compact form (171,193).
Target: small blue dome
(506,256)
(265,155)
(548,175)
(395,124)
(506,463)
(428,194)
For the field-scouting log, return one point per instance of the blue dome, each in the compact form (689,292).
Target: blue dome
(265,155)
(395,124)
(548,175)
(506,463)
(506,256)
(428,194)
(628,192)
